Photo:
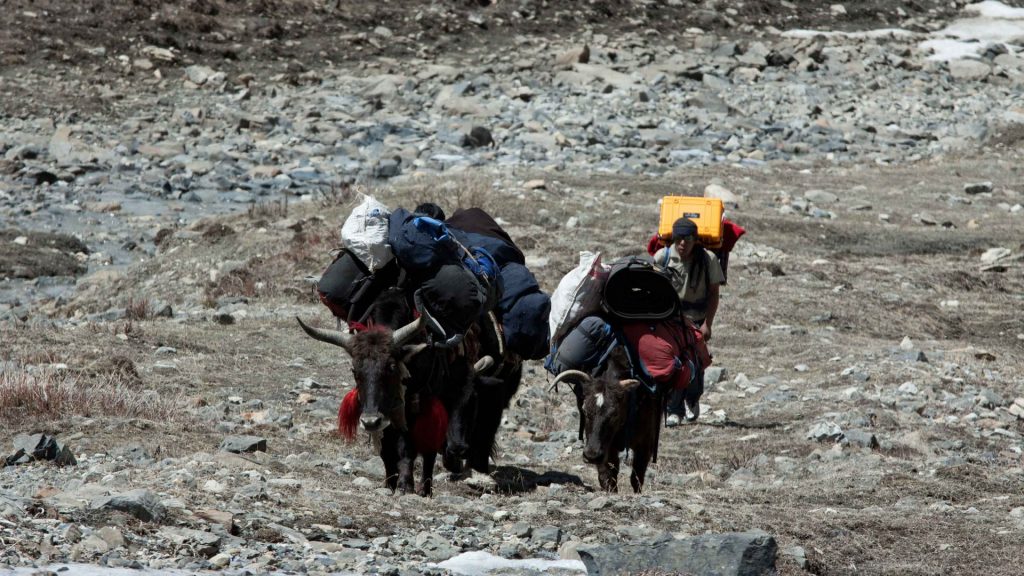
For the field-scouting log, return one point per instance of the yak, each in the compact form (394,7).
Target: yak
(405,388)
(617,414)
(473,428)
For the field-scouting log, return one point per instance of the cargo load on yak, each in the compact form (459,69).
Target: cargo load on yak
(456,272)
(631,304)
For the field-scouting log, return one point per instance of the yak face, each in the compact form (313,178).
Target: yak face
(605,409)
(377,367)
(378,360)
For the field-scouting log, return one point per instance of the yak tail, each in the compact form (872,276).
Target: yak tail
(348,415)
(430,428)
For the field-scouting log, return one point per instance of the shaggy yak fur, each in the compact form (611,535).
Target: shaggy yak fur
(404,390)
(617,414)
(473,428)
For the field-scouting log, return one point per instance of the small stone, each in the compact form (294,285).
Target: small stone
(993,255)
(239,444)
(860,438)
(825,432)
(722,193)
(221,560)
(578,55)
(968,70)
(821,197)
(198,74)
(978,188)
(714,375)
(535,185)
(907,344)
(908,388)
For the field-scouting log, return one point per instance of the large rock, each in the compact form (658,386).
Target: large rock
(732,554)
(40,447)
(239,444)
(968,70)
(141,504)
(34,254)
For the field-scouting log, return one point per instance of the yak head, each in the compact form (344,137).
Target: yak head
(378,366)
(604,410)
(463,419)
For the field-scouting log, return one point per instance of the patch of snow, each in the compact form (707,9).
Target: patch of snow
(985,30)
(946,49)
(995,23)
(880,33)
(983,24)
(993,9)
(479,563)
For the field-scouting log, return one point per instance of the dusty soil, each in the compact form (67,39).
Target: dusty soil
(87,44)
(844,292)
(829,294)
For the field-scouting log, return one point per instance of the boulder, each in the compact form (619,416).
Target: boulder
(239,444)
(141,504)
(732,554)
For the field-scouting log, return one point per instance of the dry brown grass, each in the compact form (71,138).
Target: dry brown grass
(139,308)
(32,395)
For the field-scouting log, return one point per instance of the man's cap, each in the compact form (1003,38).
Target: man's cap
(682,228)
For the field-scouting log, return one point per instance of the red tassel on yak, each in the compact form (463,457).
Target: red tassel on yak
(348,415)
(430,428)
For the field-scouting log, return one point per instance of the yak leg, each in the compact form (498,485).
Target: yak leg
(484,435)
(644,445)
(406,461)
(608,473)
(389,454)
(640,460)
(426,487)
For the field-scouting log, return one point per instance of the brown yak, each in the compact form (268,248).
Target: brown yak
(617,414)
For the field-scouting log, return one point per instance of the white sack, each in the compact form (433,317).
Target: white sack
(567,298)
(365,233)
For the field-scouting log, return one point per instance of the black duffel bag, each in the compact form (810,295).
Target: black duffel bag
(348,289)
(636,289)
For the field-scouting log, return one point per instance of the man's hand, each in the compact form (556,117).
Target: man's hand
(705,331)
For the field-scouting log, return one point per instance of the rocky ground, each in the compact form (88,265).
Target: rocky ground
(168,192)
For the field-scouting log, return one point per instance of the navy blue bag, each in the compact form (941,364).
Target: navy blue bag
(420,243)
(502,252)
(526,326)
(517,281)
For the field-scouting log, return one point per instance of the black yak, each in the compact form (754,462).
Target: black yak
(405,389)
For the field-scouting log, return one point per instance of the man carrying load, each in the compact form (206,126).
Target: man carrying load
(696,276)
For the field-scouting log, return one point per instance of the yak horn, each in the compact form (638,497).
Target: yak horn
(628,383)
(483,364)
(411,350)
(403,334)
(568,373)
(330,336)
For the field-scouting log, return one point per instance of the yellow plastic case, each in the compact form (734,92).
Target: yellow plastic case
(705,212)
